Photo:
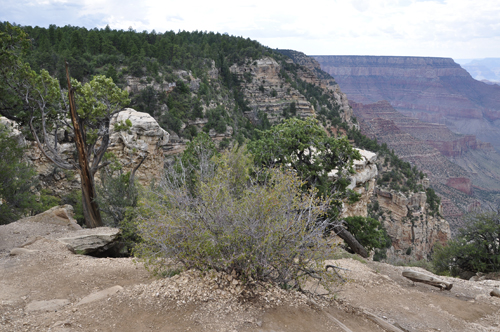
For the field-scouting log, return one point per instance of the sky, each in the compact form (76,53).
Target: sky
(460,29)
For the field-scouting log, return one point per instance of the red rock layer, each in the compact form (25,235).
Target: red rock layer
(462,184)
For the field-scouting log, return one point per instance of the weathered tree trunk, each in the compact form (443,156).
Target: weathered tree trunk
(351,241)
(90,207)
(420,277)
(381,322)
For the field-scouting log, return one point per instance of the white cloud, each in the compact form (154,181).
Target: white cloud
(456,28)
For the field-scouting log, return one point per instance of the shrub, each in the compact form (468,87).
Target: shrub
(267,230)
(117,191)
(475,249)
(369,232)
(17,178)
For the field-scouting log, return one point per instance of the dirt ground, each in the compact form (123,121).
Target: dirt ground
(45,287)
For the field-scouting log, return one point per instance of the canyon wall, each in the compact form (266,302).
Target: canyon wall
(413,230)
(433,90)
(363,183)
(463,170)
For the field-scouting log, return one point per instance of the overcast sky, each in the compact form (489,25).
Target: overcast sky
(459,29)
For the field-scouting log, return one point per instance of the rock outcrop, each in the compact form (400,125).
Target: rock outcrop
(363,183)
(91,241)
(268,92)
(412,229)
(144,139)
(61,215)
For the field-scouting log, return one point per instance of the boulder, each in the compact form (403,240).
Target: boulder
(91,241)
(145,139)
(58,215)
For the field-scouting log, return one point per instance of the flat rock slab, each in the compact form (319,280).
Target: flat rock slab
(91,240)
(21,251)
(100,295)
(50,305)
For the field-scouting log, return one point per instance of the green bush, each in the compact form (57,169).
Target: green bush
(475,249)
(17,179)
(267,230)
(368,231)
(117,192)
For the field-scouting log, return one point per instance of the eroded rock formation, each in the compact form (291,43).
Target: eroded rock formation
(268,92)
(412,229)
(145,139)
(362,182)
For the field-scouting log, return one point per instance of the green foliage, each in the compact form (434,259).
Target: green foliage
(380,255)
(433,200)
(475,249)
(265,231)
(304,146)
(74,199)
(96,101)
(217,118)
(123,125)
(17,180)
(369,232)
(116,194)
(45,201)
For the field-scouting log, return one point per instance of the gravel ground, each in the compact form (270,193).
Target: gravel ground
(43,285)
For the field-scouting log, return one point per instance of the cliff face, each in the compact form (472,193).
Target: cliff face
(431,89)
(463,170)
(268,92)
(313,73)
(362,182)
(412,229)
(406,219)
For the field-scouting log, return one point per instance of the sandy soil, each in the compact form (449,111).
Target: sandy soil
(46,287)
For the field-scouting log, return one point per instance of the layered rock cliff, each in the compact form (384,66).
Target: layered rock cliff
(412,229)
(463,170)
(410,224)
(267,90)
(433,90)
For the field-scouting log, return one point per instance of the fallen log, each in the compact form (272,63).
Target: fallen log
(351,241)
(381,322)
(424,278)
(495,292)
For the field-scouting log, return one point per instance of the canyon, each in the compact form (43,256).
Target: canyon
(434,115)
(435,90)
